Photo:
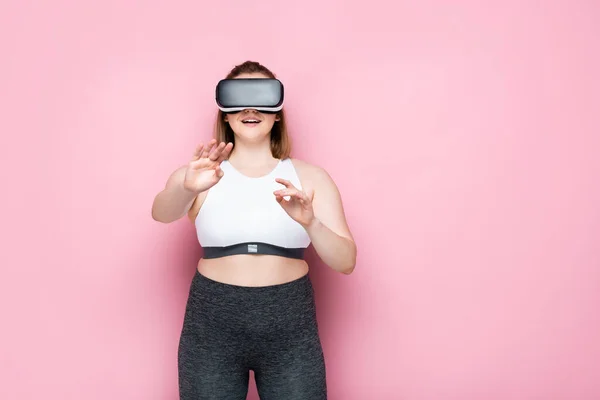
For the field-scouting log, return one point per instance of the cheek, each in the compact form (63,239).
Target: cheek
(270,120)
(234,123)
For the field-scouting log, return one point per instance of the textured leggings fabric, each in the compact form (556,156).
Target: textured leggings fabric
(229,330)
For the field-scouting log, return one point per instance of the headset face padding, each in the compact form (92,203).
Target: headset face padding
(261,94)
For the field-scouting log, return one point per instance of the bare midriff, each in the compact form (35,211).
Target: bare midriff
(252,269)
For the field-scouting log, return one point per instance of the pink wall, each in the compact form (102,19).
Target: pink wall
(462,136)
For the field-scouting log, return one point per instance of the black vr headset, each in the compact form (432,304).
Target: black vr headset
(261,94)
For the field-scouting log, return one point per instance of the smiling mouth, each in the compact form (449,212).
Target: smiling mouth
(250,121)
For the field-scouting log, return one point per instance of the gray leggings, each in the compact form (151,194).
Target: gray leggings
(229,330)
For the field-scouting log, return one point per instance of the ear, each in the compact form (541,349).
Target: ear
(277,118)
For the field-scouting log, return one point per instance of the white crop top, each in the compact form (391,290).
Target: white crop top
(241,216)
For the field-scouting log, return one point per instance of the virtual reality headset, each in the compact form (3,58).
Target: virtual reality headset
(261,94)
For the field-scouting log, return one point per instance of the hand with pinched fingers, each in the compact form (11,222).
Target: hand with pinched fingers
(299,206)
(204,171)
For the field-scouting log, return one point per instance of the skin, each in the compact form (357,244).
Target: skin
(318,207)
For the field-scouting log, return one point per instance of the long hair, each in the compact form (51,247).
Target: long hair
(280,141)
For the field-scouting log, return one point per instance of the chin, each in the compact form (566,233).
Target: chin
(252,134)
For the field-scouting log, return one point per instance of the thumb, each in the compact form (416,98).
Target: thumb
(219,172)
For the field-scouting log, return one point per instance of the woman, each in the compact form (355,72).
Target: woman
(251,304)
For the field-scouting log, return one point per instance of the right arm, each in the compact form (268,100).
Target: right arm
(187,182)
(174,201)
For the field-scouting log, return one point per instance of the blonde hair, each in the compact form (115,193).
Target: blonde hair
(280,142)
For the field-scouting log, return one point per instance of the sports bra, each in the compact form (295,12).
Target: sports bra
(240,215)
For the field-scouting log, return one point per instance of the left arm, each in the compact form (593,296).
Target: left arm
(328,230)
(320,211)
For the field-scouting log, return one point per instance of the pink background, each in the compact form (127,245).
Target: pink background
(463,138)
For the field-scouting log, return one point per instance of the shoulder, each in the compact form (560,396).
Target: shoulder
(326,198)
(313,175)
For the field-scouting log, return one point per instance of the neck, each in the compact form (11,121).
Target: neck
(251,154)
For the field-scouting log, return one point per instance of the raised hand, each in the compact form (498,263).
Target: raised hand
(299,206)
(203,171)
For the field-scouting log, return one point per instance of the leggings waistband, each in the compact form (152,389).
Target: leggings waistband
(205,286)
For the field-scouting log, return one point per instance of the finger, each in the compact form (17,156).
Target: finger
(284,182)
(216,152)
(294,193)
(200,163)
(225,152)
(283,200)
(198,151)
(219,172)
(291,196)
(208,148)
(302,197)
(285,192)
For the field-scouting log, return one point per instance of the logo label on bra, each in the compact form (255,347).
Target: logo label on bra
(252,248)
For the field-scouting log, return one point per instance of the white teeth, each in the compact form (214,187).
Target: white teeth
(250,120)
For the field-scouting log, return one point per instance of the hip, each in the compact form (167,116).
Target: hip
(259,313)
